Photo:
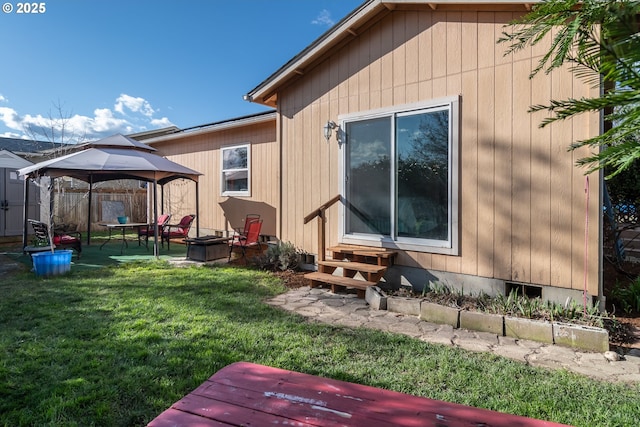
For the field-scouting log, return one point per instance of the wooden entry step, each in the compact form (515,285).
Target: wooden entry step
(339,282)
(370,262)
(363,254)
(372,273)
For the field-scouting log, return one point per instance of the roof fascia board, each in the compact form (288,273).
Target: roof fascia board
(216,127)
(154,133)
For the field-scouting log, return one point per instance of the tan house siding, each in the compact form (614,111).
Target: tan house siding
(201,151)
(522,200)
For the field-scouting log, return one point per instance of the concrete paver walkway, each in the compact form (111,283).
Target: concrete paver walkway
(347,310)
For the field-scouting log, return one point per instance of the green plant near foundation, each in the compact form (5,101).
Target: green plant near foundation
(627,296)
(437,288)
(283,256)
(535,308)
(289,256)
(443,294)
(518,305)
(502,304)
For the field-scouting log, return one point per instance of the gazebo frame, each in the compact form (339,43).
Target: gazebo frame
(112,158)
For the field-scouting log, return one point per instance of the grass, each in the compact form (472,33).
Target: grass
(115,346)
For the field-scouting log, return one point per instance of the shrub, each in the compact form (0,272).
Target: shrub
(283,256)
(627,296)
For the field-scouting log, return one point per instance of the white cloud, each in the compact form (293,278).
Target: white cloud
(3,99)
(10,118)
(136,105)
(129,114)
(161,123)
(104,121)
(324,18)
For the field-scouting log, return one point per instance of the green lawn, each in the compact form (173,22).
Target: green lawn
(115,346)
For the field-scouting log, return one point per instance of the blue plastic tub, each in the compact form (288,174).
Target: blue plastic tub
(52,264)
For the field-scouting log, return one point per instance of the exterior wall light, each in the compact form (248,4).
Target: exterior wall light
(328,128)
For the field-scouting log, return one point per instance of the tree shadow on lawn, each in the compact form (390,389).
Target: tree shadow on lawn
(117,346)
(131,347)
(97,345)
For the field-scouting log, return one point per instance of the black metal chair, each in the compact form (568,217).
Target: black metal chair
(70,239)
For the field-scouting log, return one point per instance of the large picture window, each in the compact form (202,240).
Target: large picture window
(235,169)
(400,177)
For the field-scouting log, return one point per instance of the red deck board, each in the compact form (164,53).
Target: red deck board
(235,414)
(295,403)
(249,394)
(174,418)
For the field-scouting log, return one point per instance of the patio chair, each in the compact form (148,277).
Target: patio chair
(247,219)
(177,231)
(70,239)
(149,230)
(250,239)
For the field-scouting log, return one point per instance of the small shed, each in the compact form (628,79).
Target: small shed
(11,194)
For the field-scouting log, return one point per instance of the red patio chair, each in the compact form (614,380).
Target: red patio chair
(70,239)
(150,229)
(247,220)
(177,231)
(244,241)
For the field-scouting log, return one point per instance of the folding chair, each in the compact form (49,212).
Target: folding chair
(244,241)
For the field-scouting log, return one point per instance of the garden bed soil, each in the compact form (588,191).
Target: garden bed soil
(293,279)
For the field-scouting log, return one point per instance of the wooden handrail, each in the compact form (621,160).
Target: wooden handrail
(324,207)
(319,213)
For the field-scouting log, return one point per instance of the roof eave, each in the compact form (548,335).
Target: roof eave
(216,127)
(266,92)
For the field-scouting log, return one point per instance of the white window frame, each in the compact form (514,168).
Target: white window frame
(244,193)
(452,245)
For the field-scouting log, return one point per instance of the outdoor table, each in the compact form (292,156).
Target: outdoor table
(123,227)
(243,394)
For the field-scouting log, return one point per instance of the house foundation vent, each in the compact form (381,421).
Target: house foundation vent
(521,289)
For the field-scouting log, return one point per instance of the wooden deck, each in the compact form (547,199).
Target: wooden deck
(246,394)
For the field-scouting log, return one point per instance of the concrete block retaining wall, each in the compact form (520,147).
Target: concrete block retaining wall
(563,334)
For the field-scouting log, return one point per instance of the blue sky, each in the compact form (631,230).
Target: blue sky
(124,66)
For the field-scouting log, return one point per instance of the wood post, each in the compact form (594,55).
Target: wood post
(322,219)
(321,236)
